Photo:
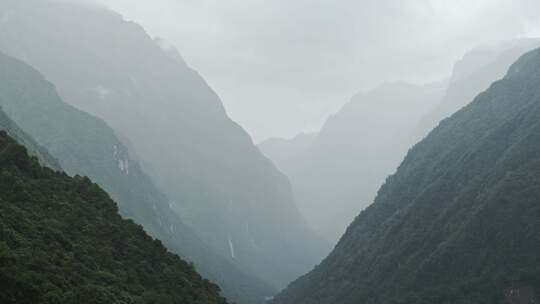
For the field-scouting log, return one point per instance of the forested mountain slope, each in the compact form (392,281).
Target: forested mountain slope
(221,185)
(473,74)
(459,222)
(63,241)
(85,145)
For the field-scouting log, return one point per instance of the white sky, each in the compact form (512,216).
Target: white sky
(282,66)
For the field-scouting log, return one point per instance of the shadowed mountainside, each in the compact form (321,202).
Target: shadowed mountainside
(474,73)
(458,222)
(63,241)
(218,181)
(85,145)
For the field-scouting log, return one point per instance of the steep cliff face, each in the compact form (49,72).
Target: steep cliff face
(86,145)
(63,241)
(459,221)
(218,181)
(338,173)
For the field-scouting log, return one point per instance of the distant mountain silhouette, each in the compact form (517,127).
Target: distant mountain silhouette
(473,74)
(338,173)
(458,222)
(33,148)
(85,145)
(282,150)
(219,183)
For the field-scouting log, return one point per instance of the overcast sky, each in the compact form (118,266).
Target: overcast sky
(282,66)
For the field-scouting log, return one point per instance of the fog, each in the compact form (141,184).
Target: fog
(282,67)
(270,152)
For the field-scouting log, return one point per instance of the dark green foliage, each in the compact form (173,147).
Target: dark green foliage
(87,146)
(474,73)
(460,220)
(218,181)
(63,241)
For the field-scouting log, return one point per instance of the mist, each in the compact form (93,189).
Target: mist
(269,152)
(282,67)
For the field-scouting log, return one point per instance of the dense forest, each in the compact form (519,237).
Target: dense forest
(63,241)
(177,129)
(458,221)
(305,152)
(85,145)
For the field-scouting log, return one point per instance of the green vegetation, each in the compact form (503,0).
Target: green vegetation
(474,73)
(85,145)
(63,241)
(217,181)
(459,222)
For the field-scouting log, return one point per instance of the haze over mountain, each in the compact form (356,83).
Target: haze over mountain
(33,148)
(63,241)
(219,183)
(458,222)
(282,150)
(85,145)
(473,74)
(281,67)
(129,172)
(340,170)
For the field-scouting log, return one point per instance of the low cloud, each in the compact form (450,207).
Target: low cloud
(281,66)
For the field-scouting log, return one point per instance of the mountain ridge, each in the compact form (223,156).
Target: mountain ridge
(86,145)
(33,148)
(338,173)
(217,180)
(63,241)
(473,74)
(457,223)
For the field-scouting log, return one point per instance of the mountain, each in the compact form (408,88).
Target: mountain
(338,174)
(459,222)
(281,150)
(33,148)
(85,145)
(219,183)
(63,241)
(474,73)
